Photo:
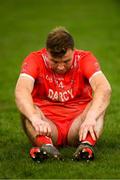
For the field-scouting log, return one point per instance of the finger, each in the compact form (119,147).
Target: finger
(41,130)
(85,131)
(96,134)
(45,130)
(36,129)
(91,130)
(80,134)
(49,133)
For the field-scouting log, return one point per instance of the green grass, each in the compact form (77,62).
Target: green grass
(23,28)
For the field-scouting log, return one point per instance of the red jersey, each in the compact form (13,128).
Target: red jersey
(61,96)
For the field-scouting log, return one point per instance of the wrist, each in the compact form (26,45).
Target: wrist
(35,116)
(91,115)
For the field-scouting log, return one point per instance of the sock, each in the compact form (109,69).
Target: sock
(89,140)
(40,140)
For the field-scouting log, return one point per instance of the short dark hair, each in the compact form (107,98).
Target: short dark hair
(58,41)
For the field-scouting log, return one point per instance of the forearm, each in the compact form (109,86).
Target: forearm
(100,102)
(24,103)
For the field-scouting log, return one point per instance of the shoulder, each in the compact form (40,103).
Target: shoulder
(84,57)
(88,63)
(33,64)
(81,57)
(37,54)
(82,53)
(35,57)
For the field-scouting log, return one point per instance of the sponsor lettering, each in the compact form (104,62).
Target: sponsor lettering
(60,96)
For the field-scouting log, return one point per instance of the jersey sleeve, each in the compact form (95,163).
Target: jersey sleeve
(30,66)
(89,66)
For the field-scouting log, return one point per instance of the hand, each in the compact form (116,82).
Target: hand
(41,127)
(88,125)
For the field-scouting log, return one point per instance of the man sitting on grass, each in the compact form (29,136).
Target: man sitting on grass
(62,96)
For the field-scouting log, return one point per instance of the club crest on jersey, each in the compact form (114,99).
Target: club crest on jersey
(50,79)
(61,96)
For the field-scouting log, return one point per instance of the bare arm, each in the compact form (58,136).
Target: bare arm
(23,96)
(25,105)
(100,102)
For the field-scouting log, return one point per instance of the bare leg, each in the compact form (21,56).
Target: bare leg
(73,134)
(31,133)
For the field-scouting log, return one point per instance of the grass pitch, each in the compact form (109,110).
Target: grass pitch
(95,26)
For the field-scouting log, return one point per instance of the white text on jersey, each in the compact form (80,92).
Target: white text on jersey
(60,96)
